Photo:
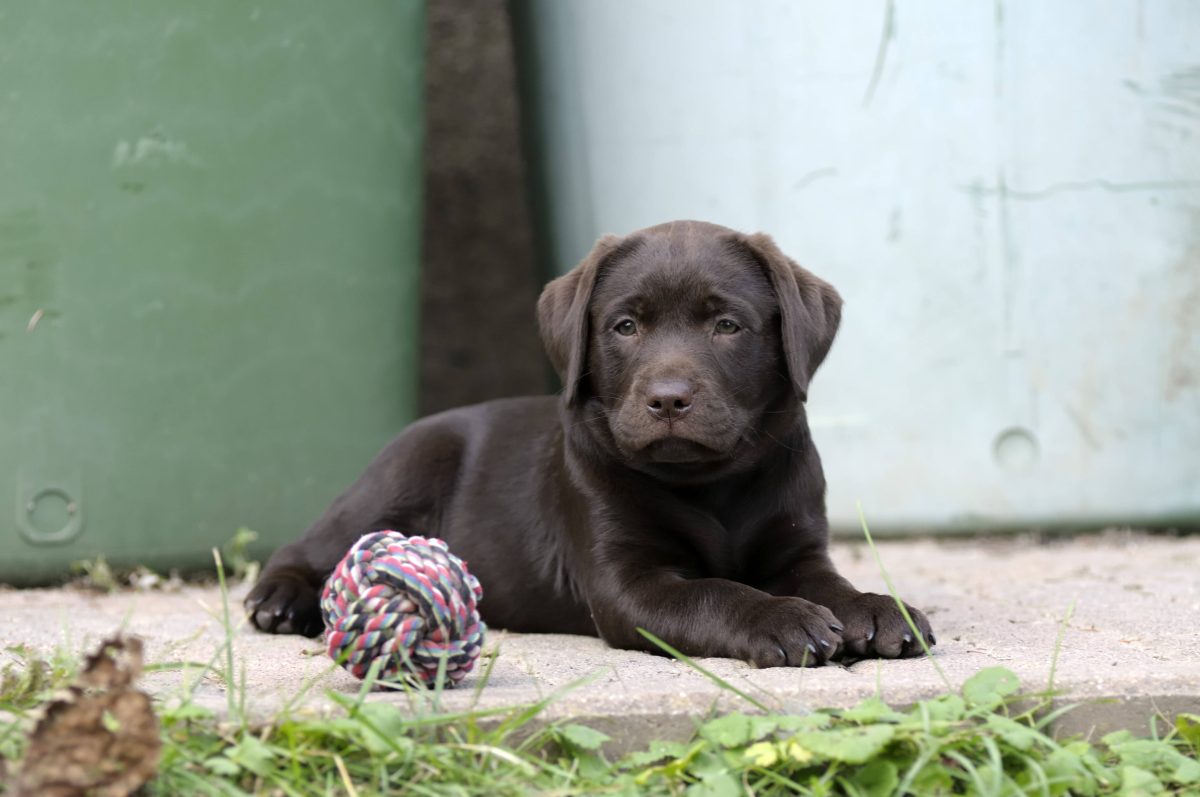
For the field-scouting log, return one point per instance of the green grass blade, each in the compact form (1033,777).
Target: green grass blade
(887,579)
(712,676)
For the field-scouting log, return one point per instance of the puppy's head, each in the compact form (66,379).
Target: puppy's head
(682,337)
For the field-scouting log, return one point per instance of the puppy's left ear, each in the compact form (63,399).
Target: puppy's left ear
(809,308)
(563,316)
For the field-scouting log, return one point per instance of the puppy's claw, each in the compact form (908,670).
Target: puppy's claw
(265,620)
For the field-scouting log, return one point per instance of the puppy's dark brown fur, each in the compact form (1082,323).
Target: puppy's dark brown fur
(673,486)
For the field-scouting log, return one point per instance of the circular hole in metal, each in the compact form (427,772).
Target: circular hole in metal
(1016,449)
(50,511)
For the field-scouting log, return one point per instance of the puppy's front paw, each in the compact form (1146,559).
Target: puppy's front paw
(792,632)
(284,603)
(875,627)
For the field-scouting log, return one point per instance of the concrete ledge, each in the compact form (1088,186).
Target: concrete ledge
(1132,647)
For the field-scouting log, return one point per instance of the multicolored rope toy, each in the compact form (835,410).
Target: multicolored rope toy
(407,601)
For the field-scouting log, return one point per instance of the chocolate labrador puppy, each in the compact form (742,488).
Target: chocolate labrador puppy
(672,486)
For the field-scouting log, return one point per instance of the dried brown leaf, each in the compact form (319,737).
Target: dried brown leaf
(98,738)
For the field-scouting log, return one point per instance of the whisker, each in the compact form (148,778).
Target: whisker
(781,443)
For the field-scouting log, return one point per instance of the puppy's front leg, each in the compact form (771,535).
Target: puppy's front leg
(286,598)
(875,626)
(710,617)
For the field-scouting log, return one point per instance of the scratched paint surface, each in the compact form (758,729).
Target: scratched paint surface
(1007,194)
(208,233)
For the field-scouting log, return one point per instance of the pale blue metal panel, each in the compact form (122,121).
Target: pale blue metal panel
(1007,195)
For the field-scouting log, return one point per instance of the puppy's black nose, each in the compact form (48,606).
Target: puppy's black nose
(669,399)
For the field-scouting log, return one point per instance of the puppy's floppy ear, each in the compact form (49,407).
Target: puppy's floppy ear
(809,308)
(563,316)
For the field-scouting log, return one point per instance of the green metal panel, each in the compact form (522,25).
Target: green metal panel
(208,268)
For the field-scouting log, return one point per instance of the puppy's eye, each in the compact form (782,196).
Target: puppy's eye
(625,328)
(726,327)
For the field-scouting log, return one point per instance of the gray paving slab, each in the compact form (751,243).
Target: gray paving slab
(1130,649)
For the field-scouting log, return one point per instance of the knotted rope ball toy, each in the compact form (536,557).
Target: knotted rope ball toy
(405,601)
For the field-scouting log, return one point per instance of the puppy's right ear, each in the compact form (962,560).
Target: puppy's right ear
(563,316)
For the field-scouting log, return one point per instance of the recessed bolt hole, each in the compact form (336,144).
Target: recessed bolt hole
(1016,449)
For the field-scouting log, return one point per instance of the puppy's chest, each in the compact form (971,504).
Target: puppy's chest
(741,545)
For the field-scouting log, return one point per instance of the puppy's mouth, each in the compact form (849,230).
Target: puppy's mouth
(675,450)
